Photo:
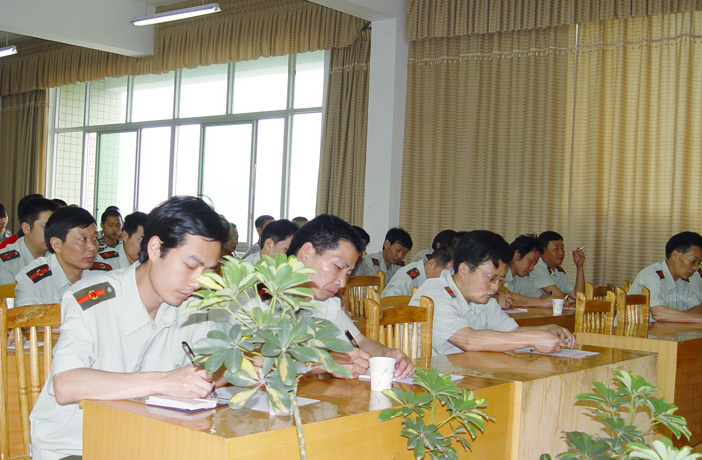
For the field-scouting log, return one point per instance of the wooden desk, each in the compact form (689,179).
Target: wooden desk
(341,423)
(540,316)
(679,348)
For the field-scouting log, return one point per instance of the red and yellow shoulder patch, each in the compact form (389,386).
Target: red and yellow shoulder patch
(109,254)
(9,255)
(39,273)
(450,292)
(375,261)
(93,295)
(414,273)
(102,267)
(660,274)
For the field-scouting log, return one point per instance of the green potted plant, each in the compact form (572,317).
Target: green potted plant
(423,435)
(616,408)
(271,343)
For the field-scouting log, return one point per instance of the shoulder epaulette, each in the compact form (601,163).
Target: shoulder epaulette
(39,273)
(560,269)
(660,274)
(401,263)
(101,267)
(699,271)
(94,294)
(450,292)
(414,273)
(9,255)
(375,261)
(109,254)
(549,269)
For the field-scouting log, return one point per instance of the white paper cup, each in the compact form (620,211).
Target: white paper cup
(381,372)
(557,307)
(378,401)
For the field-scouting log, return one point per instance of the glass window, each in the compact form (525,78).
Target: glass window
(203,91)
(108,101)
(116,172)
(68,168)
(309,79)
(187,164)
(154,167)
(71,105)
(226,169)
(261,85)
(269,167)
(153,97)
(304,164)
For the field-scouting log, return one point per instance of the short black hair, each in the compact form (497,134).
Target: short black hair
(179,216)
(443,239)
(60,202)
(456,238)
(133,221)
(3,213)
(278,230)
(442,256)
(300,220)
(30,210)
(324,232)
(110,211)
(63,220)
(261,220)
(398,235)
(479,246)
(548,236)
(362,233)
(682,243)
(524,244)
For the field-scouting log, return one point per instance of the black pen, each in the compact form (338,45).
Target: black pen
(191,356)
(351,339)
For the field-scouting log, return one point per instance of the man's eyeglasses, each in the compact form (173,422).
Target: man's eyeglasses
(697,264)
(493,279)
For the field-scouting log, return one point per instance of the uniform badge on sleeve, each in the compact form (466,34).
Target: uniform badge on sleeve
(560,269)
(450,292)
(9,255)
(109,254)
(375,261)
(101,267)
(39,273)
(93,295)
(414,273)
(660,274)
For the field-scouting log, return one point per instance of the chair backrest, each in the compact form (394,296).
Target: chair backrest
(405,327)
(389,301)
(594,315)
(597,292)
(30,376)
(356,290)
(7,291)
(633,312)
(627,285)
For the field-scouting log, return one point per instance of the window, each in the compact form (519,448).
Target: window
(244,135)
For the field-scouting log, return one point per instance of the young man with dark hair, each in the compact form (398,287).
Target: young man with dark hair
(121,332)
(127,252)
(111,226)
(362,268)
(395,247)
(300,221)
(14,238)
(416,273)
(260,223)
(14,257)
(467,317)
(275,238)
(4,231)
(549,276)
(441,240)
(526,251)
(71,236)
(675,283)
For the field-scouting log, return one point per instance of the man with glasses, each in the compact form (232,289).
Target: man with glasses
(467,317)
(675,283)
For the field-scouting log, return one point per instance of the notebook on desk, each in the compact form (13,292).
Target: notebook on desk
(181,404)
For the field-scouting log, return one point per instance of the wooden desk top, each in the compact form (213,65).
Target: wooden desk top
(675,332)
(537,316)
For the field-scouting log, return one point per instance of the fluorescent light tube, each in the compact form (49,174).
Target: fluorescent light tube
(8,51)
(178,14)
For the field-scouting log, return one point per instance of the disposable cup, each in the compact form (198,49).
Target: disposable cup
(381,372)
(557,307)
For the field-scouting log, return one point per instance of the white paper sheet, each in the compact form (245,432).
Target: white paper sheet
(564,353)
(515,310)
(259,402)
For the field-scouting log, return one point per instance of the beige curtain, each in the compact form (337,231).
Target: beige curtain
(637,140)
(485,134)
(451,18)
(342,168)
(22,150)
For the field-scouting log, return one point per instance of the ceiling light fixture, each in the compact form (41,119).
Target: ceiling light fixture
(177,14)
(8,51)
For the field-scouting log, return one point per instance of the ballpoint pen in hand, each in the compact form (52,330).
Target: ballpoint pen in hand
(191,356)
(351,339)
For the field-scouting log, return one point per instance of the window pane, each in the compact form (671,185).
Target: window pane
(309,79)
(261,85)
(203,91)
(108,101)
(304,164)
(226,172)
(89,192)
(71,105)
(153,97)
(187,160)
(116,172)
(154,167)
(269,167)
(69,161)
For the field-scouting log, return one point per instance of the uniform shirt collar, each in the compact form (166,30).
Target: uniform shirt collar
(667,280)
(136,315)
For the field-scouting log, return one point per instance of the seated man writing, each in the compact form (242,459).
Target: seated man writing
(675,283)
(275,238)
(121,332)
(467,318)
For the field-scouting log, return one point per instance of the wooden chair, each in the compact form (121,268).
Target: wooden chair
(356,290)
(597,292)
(30,376)
(405,327)
(627,285)
(633,312)
(594,315)
(389,301)
(7,291)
